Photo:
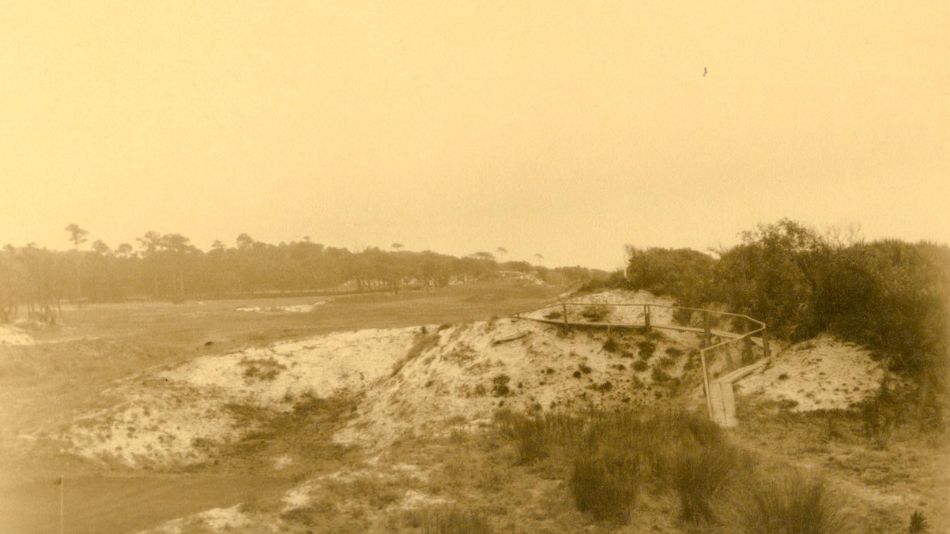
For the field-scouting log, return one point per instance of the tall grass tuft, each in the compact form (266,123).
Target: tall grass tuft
(605,486)
(700,474)
(918,523)
(536,436)
(792,505)
(613,455)
(449,520)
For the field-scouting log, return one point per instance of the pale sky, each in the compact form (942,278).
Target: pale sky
(561,128)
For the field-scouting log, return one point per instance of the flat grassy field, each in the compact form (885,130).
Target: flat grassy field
(44,386)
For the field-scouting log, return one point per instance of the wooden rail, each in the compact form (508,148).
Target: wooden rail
(719,396)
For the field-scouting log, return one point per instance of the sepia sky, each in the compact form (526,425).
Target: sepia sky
(561,128)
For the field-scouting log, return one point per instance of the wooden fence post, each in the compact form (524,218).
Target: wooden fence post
(706,333)
(709,407)
(747,356)
(646,317)
(765,343)
(564,309)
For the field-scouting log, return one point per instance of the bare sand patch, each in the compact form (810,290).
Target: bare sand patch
(11,335)
(177,416)
(822,373)
(466,372)
(294,308)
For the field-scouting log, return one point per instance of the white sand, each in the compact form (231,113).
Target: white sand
(178,415)
(462,377)
(823,373)
(296,308)
(11,335)
(213,520)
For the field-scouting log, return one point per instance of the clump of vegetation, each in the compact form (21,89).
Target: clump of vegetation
(674,352)
(666,362)
(918,523)
(263,369)
(553,315)
(640,366)
(595,312)
(793,505)
(700,474)
(604,486)
(646,348)
(880,415)
(603,387)
(802,283)
(421,343)
(535,436)
(611,345)
(584,368)
(448,520)
(613,454)
(500,386)
(660,376)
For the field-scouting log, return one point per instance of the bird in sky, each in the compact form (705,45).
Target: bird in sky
(705,72)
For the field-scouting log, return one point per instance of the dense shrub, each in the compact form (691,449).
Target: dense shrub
(889,295)
(773,276)
(683,273)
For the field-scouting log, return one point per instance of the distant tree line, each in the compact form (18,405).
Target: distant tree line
(170,267)
(890,295)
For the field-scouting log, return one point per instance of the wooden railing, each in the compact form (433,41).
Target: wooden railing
(734,329)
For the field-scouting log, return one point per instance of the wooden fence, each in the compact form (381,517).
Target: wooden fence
(720,332)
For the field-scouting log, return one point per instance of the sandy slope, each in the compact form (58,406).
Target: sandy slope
(472,370)
(177,415)
(822,373)
(410,380)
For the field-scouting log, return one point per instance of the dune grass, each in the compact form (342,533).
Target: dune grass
(612,457)
(449,519)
